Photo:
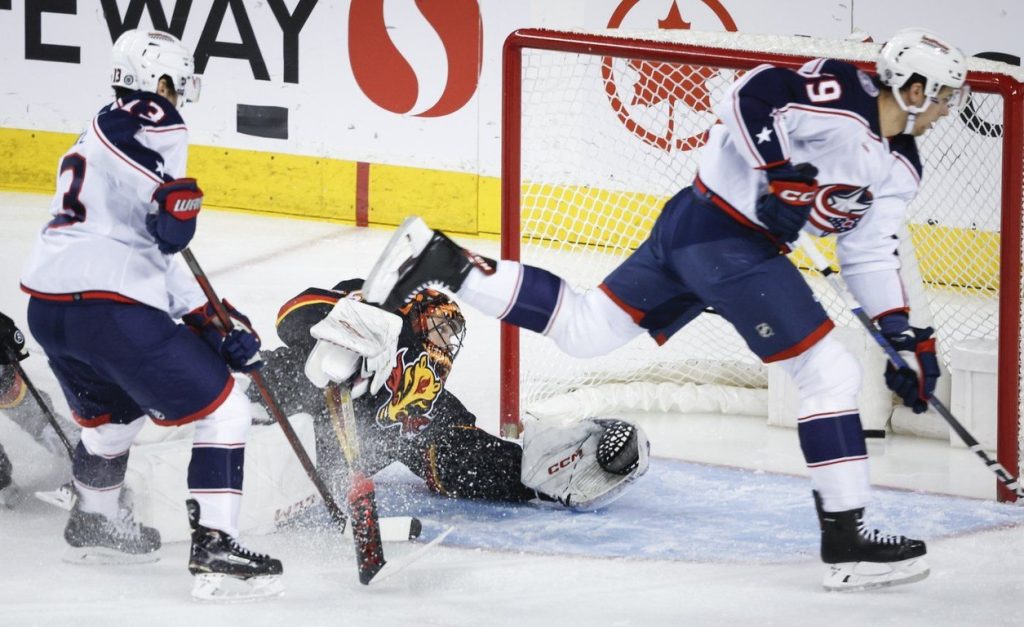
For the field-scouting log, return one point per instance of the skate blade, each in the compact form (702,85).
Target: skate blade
(391,567)
(221,588)
(104,556)
(855,576)
(409,240)
(63,497)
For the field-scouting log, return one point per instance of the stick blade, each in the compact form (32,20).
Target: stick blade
(365,522)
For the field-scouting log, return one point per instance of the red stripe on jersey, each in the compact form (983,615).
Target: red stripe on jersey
(202,413)
(812,338)
(633,312)
(77,296)
(303,300)
(95,421)
(735,214)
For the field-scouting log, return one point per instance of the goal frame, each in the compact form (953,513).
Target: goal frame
(608,45)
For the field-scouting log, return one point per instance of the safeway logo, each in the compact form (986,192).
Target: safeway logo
(389,78)
(667,105)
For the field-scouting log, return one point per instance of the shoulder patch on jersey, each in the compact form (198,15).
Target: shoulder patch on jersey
(867,83)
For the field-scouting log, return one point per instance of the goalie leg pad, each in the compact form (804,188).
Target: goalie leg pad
(561,461)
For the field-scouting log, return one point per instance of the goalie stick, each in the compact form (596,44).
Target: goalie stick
(362,503)
(42,404)
(822,266)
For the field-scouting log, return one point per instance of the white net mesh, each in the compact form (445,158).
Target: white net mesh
(606,141)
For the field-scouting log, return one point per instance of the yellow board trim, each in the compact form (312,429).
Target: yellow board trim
(319,188)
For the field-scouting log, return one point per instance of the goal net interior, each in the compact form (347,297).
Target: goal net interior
(601,128)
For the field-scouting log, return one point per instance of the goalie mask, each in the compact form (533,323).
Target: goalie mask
(140,58)
(438,323)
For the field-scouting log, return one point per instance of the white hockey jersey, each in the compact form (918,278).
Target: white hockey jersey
(97,245)
(825,114)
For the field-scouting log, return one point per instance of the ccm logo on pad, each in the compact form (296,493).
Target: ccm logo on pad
(553,468)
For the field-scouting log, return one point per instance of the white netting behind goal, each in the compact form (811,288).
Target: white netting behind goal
(606,140)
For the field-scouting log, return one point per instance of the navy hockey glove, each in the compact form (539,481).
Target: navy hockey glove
(12,342)
(240,347)
(785,209)
(917,347)
(174,223)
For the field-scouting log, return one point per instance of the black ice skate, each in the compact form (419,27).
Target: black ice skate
(417,258)
(96,539)
(861,558)
(224,570)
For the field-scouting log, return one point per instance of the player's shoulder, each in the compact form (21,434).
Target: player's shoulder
(298,315)
(904,148)
(835,84)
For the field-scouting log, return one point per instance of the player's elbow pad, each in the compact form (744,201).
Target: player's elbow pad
(174,223)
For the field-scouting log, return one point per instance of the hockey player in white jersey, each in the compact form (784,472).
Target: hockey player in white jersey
(106,290)
(827,149)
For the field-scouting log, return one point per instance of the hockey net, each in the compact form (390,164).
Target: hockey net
(601,128)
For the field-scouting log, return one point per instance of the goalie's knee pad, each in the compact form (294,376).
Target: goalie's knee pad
(587,464)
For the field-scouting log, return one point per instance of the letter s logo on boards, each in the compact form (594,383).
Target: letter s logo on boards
(388,78)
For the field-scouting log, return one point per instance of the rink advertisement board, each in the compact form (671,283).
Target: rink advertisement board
(367,109)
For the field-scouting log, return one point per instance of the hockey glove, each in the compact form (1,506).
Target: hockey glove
(785,209)
(354,332)
(239,346)
(178,203)
(917,347)
(12,342)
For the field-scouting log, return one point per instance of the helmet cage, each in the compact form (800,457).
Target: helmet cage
(439,324)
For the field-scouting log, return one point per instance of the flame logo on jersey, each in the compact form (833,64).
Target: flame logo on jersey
(414,386)
(839,208)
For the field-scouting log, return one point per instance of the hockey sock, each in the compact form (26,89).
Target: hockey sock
(218,458)
(99,480)
(523,295)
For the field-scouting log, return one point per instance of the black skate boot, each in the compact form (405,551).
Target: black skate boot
(861,558)
(224,569)
(96,539)
(416,258)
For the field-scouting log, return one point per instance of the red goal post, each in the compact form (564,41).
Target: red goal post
(600,128)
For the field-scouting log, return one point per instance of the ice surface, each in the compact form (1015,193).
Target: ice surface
(697,544)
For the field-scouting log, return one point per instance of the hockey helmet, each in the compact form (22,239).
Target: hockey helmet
(141,57)
(439,323)
(918,51)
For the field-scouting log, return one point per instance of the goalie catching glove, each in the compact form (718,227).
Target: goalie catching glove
(240,347)
(584,465)
(914,385)
(355,338)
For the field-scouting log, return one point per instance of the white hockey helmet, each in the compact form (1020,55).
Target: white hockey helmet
(141,57)
(918,51)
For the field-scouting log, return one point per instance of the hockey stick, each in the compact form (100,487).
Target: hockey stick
(42,404)
(362,502)
(275,410)
(822,266)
